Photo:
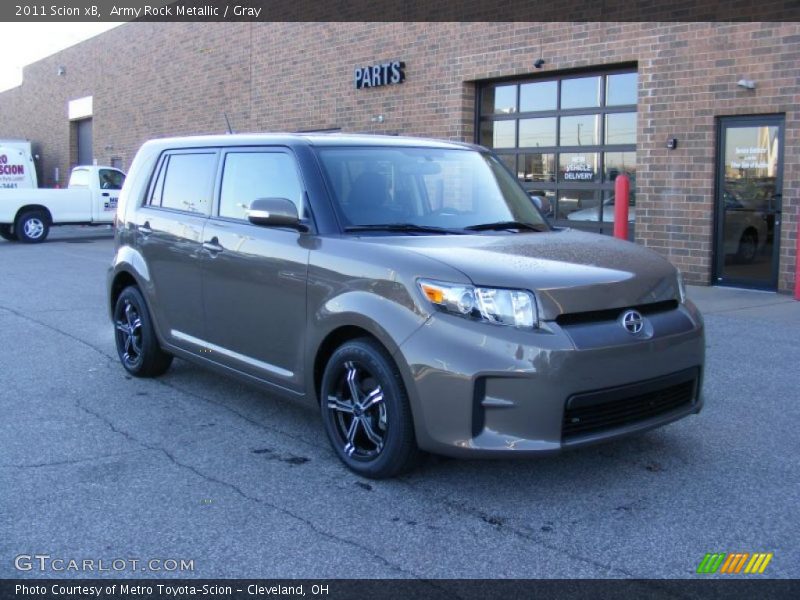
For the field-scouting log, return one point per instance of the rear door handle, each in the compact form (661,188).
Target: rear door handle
(105,194)
(213,246)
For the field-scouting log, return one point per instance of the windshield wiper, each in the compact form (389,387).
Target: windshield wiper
(406,227)
(501,225)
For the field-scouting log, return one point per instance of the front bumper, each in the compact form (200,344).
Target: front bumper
(481,390)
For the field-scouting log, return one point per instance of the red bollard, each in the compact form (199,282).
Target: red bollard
(797,261)
(622,188)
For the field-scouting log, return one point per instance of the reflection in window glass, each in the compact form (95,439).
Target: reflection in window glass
(500,99)
(581,130)
(510,160)
(545,200)
(537,132)
(578,167)
(621,89)
(498,134)
(537,167)
(615,163)
(538,96)
(578,205)
(580,93)
(621,128)
(607,213)
(252,175)
(189,182)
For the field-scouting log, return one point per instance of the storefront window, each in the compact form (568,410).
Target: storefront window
(538,96)
(621,89)
(498,134)
(615,163)
(567,138)
(578,167)
(537,167)
(583,92)
(582,130)
(537,132)
(500,100)
(621,128)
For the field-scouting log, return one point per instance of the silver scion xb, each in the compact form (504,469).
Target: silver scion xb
(409,288)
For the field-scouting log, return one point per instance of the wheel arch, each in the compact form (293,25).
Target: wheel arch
(333,340)
(34,207)
(121,280)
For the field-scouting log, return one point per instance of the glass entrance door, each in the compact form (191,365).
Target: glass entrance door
(748,201)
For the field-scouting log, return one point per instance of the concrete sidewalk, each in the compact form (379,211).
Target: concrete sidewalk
(750,304)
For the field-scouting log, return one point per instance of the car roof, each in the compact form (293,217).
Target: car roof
(309,139)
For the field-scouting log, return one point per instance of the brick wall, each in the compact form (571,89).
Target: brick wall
(157,79)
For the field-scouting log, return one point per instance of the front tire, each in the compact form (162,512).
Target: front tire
(32,227)
(366,412)
(7,233)
(137,344)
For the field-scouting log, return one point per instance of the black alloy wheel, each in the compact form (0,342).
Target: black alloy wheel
(366,412)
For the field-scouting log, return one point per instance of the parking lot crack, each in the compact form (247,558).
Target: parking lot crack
(238,414)
(108,357)
(502,525)
(75,461)
(240,492)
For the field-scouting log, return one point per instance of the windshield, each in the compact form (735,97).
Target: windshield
(428,188)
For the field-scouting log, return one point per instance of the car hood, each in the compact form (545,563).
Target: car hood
(570,271)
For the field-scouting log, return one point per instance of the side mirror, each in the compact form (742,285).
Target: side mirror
(275,212)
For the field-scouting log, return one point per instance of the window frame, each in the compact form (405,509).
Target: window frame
(162,167)
(306,213)
(515,154)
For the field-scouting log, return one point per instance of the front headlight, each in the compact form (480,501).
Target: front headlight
(516,308)
(681,289)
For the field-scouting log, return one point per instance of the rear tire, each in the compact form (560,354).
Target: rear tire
(366,412)
(32,227)
(7,233)
(137,344)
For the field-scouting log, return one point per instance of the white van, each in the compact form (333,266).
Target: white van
(17,170)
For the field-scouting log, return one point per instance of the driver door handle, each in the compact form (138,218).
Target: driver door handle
(213,246)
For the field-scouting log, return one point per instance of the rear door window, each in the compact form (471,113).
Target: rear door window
(189,182)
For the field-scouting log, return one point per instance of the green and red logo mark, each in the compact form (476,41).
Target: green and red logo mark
(734,562)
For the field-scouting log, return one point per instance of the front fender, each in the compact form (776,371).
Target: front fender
(388,321)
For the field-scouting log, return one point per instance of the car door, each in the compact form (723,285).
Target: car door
(106,196)
(169,230)
(254,280)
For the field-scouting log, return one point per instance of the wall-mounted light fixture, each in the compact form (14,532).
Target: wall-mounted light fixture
(539,63)
(61,71)
(747,83)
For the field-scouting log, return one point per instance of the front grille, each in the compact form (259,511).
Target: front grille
(595,412)
(611,314)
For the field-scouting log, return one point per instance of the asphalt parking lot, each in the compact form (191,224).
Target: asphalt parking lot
(97,465)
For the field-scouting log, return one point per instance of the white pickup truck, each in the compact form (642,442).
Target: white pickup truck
(91,199)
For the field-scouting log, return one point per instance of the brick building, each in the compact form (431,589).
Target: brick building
(722,204)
